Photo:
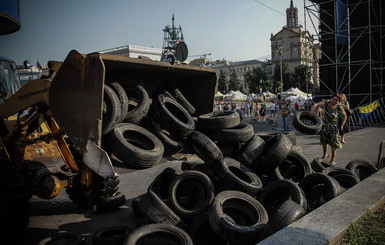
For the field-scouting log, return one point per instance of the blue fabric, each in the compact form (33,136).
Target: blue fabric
(286,125)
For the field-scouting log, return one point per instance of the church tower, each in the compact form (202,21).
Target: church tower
(292,16)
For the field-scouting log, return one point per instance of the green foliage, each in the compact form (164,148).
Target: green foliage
(370,229)
(286,76)
(256,79)
(222,83)
(233,81)
(301,77)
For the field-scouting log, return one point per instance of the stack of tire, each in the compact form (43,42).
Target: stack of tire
(139,129)
(243,190)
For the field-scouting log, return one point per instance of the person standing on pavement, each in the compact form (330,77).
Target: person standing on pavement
(329,131)
(345,105)
(257,112)
(272,110)
(262,112)
(285,117)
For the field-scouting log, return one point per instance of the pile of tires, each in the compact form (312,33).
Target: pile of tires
(245,188)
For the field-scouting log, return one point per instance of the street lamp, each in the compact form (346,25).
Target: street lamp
(280,49)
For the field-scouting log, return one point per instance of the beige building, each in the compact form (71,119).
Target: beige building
(295,46)
(240,68)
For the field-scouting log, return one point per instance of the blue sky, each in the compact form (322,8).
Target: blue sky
(228,29)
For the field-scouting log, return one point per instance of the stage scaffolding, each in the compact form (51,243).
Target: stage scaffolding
(350,33)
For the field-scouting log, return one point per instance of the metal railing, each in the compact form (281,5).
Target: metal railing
(368,115)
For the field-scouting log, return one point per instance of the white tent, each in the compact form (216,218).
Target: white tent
(218,94)
(235,95)
(293,92)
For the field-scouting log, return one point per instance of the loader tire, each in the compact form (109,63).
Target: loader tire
(111,110)
(14,202)
(123,98)
(135,146)
(139,104)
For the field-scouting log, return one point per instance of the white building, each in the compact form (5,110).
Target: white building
(134,51)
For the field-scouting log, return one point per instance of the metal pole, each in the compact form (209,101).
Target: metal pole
(281,53)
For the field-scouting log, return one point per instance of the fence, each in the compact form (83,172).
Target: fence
(369,115)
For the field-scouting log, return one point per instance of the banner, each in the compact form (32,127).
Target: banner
(369,111)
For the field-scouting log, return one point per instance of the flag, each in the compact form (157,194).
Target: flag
(39,65)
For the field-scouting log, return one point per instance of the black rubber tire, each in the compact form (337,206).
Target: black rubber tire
(319,164)
(171,145)
(138,110)
(135,146)
(110,203)
(273,153)
(251,150)
(229,149)
(238,134)
(204,147)
(291,135)
(111,110)
(14,202)
(287,213)
(158,234)
(295,167)
(218,120)
(332,171)
(162,182)
(114,235)
(191,193)
(63,238)
(184,102)
(315,120)
(201,232)
(154,210)
(361,168)
(173,117)
(275,193)
(123,98)
(237,176)
(237,217)
(346,180)
(331,188)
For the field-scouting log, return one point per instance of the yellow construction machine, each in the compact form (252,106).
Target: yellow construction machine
(50,136)
(51,130)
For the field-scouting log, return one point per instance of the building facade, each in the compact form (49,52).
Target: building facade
(240,68)
(295,46)
(134,51)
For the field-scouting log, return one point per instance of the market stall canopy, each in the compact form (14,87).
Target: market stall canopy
(235,95)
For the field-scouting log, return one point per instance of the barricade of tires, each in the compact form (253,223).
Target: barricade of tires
(244,189)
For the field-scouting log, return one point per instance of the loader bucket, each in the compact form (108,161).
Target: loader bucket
(197,84)
(76,94)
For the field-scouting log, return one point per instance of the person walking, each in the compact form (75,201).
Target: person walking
(272,110)
(262,112)
(257,112)
(285,117)
(329,131)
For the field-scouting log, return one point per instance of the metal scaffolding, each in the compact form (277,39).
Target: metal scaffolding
(351,36)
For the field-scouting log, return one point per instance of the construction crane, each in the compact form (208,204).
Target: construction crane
(200,55)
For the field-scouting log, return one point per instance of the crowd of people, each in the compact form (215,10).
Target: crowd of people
(331,111)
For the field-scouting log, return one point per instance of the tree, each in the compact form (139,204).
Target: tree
(302,76)
(222,83)
(255,79)
(234,81)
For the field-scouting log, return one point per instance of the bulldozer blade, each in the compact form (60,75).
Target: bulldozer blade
(98,160)
(76,97)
